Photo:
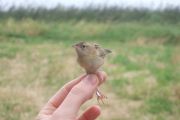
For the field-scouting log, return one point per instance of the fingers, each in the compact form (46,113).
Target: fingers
(62,93)
(79,94)
(59,97)
(91,113)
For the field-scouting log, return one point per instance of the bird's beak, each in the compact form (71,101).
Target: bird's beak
(75,46)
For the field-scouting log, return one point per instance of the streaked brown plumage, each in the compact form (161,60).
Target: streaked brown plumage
(91,58)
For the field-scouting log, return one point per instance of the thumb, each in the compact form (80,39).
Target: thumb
(78,95)
(85,89)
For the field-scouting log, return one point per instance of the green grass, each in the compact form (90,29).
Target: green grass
(36,59)
(121,32)
(158,105)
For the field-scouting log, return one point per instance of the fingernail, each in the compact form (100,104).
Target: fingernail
(91,79)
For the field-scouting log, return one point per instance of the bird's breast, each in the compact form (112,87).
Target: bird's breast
(90,64)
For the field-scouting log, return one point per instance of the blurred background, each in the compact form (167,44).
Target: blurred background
(36,56)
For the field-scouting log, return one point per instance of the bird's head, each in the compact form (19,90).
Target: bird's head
(84,49)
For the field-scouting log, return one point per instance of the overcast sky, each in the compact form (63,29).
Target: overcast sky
(82,3)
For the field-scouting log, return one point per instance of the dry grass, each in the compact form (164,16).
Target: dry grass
(143,74)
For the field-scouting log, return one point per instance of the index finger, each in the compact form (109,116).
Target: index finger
(60,95)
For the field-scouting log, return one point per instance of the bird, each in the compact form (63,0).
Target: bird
(91,57)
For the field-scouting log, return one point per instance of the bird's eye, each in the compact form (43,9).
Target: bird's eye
(83,46)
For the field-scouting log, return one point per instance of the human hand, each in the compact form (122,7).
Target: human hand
(65,104)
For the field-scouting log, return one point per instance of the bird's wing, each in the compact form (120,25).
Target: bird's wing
(103,52)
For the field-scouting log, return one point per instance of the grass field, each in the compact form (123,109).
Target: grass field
(36,59)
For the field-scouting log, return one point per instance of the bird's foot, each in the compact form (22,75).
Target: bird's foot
(100,97)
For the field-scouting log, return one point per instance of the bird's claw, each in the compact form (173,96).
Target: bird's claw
(100,97)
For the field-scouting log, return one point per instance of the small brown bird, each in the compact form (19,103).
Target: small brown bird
(91,58)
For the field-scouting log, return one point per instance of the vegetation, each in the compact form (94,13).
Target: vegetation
(36,59)
(169,14)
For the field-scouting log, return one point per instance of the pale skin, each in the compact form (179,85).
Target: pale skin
(66,103)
